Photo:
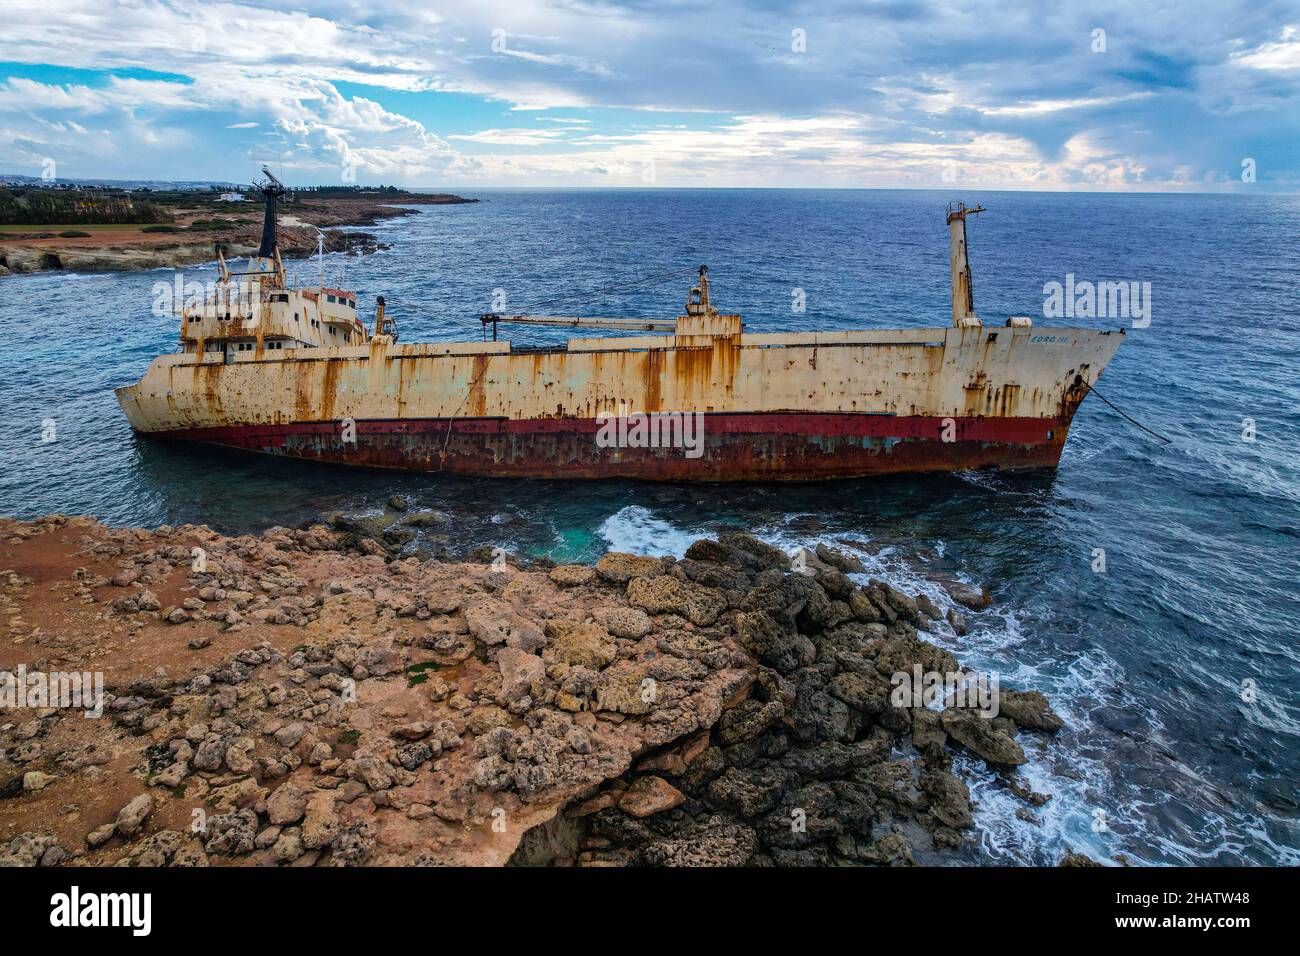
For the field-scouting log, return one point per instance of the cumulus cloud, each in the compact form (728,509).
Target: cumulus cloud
(894,92)
(1282,54)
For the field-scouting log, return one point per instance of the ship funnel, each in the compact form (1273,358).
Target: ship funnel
(963,291)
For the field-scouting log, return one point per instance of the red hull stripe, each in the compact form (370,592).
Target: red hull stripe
(804,424)
(731,447)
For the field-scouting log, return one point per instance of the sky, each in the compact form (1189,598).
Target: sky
(1116,96)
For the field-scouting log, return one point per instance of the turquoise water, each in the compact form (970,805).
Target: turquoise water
(1163,760)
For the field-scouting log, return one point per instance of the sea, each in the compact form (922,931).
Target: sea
(1149,588)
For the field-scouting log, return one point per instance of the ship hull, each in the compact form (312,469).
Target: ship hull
(733,447)
(797,407)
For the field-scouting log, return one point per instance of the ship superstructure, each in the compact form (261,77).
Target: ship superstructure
(256,311)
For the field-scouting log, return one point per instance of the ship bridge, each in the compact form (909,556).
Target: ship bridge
(246,314)
(255,311)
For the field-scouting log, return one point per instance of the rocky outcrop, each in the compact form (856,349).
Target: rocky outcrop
(75,255)
(313,696)
(309,700)
(126,248)
(815,762)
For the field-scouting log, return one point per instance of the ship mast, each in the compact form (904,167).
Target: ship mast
(697,301)
(272,190)
(963,292)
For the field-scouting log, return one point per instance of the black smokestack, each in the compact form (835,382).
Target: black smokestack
(267,248)
(271,189)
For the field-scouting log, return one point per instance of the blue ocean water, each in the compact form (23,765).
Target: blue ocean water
(1175,668)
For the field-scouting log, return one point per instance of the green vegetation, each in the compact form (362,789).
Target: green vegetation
(417,673)
(29,206)
(161,229)
(347,190)
(74,234)
(198,224)
(53,229)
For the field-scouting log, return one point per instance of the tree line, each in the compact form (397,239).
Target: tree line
(31,207)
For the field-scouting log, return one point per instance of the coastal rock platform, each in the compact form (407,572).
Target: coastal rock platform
(316,696)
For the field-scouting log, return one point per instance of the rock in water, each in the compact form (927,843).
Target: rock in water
(978,735)
(969,596)
(1029,709)
(1077,859)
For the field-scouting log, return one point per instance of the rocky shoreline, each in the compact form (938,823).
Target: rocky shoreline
(318,696)
(127,248)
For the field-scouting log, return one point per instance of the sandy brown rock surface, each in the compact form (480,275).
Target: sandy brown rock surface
(310,697)
(383,693)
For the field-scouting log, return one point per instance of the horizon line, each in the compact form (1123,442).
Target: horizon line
(1231,190)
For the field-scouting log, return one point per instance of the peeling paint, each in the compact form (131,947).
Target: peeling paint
(825,404)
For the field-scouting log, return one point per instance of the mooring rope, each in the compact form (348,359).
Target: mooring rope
(442,455)
(1126,415)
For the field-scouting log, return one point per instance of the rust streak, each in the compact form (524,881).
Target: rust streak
(654,371)
(329,383)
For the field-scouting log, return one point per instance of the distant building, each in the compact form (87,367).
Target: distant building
(231,197)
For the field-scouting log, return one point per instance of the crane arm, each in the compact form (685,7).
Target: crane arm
(573,321)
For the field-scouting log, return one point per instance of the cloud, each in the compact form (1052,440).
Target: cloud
(1282,54)
(1040,107)
(886,93)
(513,137)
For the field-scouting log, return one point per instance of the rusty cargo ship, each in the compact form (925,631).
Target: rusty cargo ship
(295,372)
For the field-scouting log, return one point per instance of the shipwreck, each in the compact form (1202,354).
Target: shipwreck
(295,372)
